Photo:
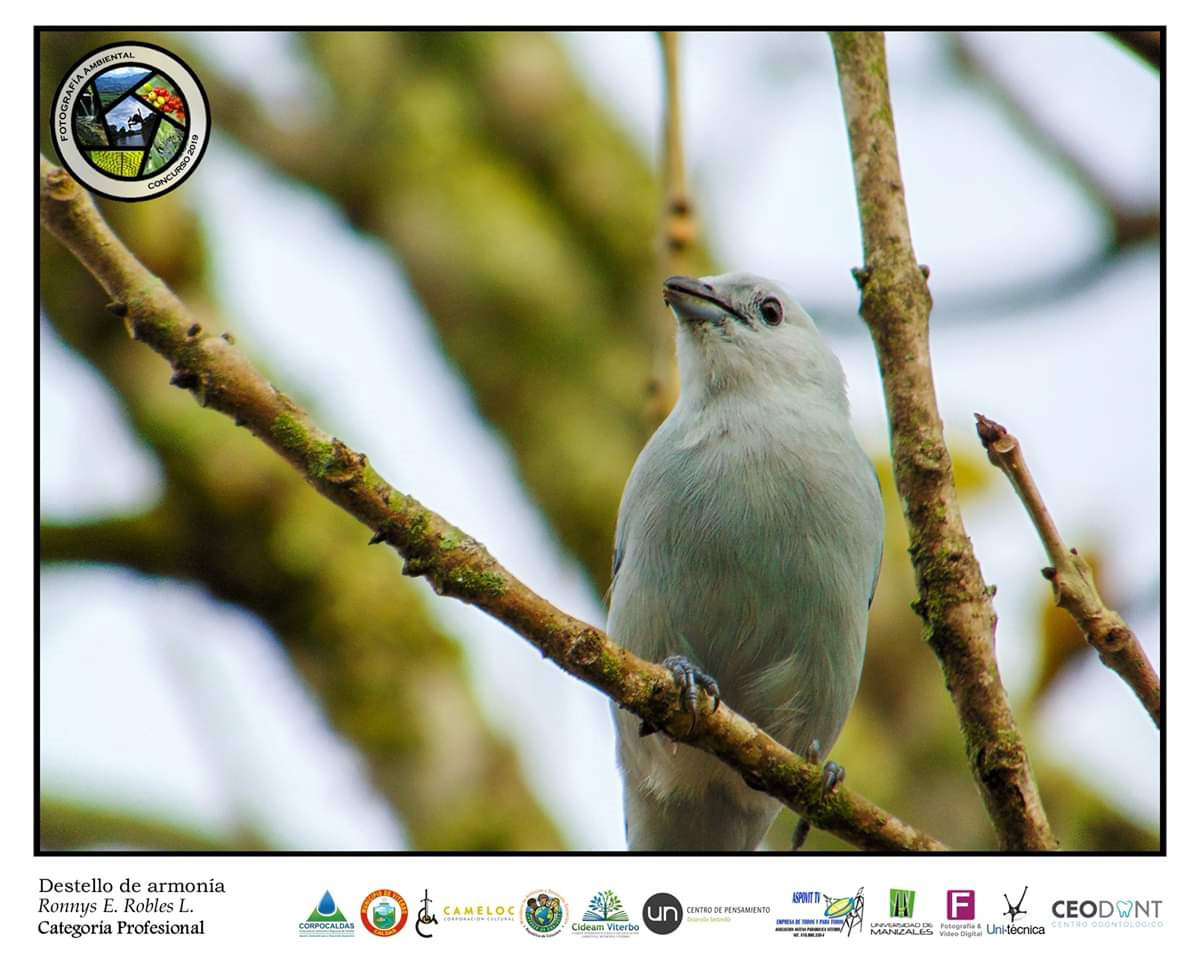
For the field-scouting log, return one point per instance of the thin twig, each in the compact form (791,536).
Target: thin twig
(1074,585)
(221,377)
(678,240)
(1128,224)
(953,600)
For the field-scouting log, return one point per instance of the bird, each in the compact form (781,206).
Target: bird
(748,545)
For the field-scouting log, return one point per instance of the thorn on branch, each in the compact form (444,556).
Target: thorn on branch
(194,330)
(379,537)
(228,337)
(117,308)
(924,268)
(861,275)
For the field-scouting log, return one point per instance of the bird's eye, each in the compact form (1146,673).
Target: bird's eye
(771,311)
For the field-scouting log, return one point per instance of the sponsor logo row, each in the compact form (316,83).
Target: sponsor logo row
(810,913)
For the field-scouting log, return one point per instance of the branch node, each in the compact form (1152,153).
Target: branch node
(185,380)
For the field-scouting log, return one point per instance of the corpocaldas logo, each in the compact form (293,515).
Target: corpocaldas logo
(544,913)
(384,912)
(326,920)
(130,121)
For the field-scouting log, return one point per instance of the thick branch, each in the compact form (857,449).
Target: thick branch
(220,377)
(954,601)
(1074,586)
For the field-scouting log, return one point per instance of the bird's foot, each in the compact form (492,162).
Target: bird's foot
(833,775)
(691,681)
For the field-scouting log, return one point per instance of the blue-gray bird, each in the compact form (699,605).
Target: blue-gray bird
(747,551)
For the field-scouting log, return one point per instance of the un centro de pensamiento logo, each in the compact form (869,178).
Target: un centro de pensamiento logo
(130,121)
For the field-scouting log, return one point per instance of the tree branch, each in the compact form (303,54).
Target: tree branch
(678,235)
(1147,44)
(953,600)
(1074,586)
(1129,225)
(220,377)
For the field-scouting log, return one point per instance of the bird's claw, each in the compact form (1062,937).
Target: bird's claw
(691,681)
(835,773)
(832,776)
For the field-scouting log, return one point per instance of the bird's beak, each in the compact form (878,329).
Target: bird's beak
(695,302)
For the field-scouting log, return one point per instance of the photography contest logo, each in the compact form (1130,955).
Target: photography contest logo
(544,913)
(130,121)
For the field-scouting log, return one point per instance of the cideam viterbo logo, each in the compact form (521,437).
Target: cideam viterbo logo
(130,121)
(384,912)
(544,913)
(605,916)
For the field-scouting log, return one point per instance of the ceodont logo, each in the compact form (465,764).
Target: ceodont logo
(130,121)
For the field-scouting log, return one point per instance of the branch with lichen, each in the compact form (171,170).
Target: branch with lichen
(223,379)
(954,602)
(1071,576)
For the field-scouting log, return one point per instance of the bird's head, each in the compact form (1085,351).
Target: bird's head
(739,333)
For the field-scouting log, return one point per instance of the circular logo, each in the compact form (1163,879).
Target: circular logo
(544,913)
(384,912)
(130,121)
(662,913)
